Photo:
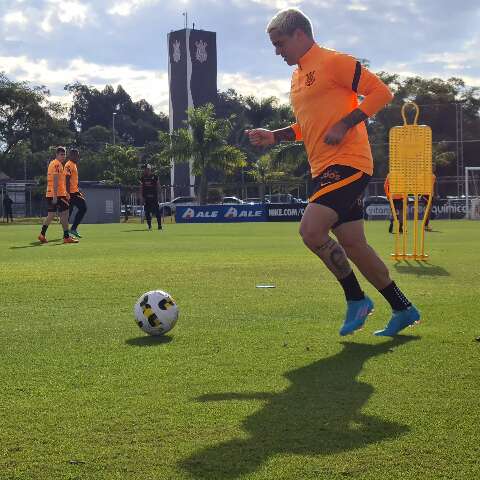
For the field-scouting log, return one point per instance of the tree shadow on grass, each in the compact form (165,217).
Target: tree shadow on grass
(149,341)
(421,269)
(37,244)
(319,414)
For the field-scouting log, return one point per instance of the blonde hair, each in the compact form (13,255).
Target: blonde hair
(288,20)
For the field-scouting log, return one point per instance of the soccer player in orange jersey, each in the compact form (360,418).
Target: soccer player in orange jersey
(329,119)
(76,196)
(57,197)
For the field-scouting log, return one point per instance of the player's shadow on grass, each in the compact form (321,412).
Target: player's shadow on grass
(37,244)
(149,341)
(421,269)
(319,414)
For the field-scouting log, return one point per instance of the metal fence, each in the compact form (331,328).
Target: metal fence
(29,200)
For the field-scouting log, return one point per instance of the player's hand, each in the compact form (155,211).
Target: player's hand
(67,196)
(336,133)
(260,137)
(54,200)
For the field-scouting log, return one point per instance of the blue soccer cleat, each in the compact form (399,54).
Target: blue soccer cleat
(357,313)
(400,319)
(75,233)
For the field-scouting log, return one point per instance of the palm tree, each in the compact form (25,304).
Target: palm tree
(205,143)
(265,172)
(260,112)
(292,158)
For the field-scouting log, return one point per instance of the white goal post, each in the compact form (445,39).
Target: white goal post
(472,193)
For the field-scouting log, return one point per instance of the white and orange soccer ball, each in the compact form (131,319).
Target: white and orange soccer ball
(156,312)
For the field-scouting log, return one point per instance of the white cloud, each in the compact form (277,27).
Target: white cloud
(258,86)
(148,84)
(357,6)
(125,8)
(15,18)
(71,11)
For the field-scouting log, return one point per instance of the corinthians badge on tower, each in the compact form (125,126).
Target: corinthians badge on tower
(201,54)
(176,51)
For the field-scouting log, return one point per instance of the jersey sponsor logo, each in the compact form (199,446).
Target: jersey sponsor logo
(310,79)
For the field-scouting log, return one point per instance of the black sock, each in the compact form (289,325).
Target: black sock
(44,229)
(395,297)
(65,234)
(351,287)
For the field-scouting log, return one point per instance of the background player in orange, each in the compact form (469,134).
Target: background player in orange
(57,197)
(76,196)
(397,203)
(324,95)
(425,199)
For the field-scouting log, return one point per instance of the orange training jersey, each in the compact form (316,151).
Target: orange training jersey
(55,167)
(325,89)
(71,171)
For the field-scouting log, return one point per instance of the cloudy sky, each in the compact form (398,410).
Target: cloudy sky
(99,42)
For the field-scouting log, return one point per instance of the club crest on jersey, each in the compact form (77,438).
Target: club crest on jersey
(201,54)
(310,80)
(176,51)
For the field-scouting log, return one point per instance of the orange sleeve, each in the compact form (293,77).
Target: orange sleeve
(298,131)
(349,73)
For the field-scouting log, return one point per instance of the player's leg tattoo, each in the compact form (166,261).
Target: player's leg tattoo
(340,261)
(334,257)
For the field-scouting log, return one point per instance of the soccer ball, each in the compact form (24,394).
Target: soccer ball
(156,312)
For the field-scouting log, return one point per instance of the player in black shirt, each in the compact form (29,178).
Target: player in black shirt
(149,191)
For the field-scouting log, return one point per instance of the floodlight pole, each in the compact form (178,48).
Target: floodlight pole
(113,125)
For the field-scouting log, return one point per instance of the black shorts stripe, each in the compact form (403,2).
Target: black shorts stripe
(356,76)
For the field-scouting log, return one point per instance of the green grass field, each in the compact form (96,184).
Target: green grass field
(252,383)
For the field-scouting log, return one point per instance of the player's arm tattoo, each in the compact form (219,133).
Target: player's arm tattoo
(353,118)
(284,135)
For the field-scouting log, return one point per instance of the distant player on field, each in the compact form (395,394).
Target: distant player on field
(76,196)
(324,95)
(397,203)
(57,197)
(428,212)
(149,192)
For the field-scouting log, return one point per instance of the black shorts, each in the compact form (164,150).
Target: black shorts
(341,188)
(61,206)
(77,199)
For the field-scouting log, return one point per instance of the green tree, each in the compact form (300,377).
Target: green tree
(265,172)
(25,114)
(122,165)
(136,123)
(205,143)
